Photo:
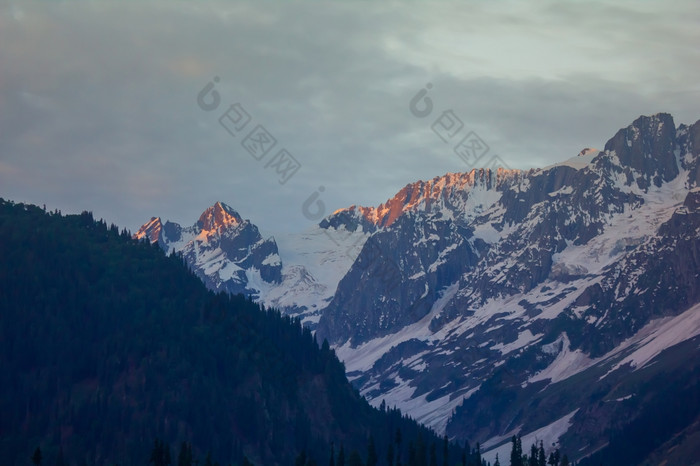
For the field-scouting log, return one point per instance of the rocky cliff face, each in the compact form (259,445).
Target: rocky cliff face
(647,147)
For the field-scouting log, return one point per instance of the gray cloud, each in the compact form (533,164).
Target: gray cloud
(98,99)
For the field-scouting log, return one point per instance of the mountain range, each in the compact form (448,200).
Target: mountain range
(560,303)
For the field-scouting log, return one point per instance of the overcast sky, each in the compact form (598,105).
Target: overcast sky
(99,100)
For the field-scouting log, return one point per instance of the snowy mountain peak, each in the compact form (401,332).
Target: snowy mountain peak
(227,252)
(647,147)
(151,230)
(218,216)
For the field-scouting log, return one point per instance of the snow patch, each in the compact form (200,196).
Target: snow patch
(566,364)
(658,336)
(524,338)
(549,435)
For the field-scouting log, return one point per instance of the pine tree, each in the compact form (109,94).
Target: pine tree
(371,452)
(445,451)
(390,454)
(412,455)
(533,456)
(497,463)
(37,457)
(354,459)
(433,455)
(520,451)
(331,462)
(421,453)
(184,458)
(398,440)
(301,459)
(157,454)
(516,452)
(565,461)
(541,457)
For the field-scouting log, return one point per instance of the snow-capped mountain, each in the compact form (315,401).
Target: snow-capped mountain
(297,273)
(227,252)
(514,279)
(491,303)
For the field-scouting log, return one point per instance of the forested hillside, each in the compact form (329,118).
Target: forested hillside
(106,344)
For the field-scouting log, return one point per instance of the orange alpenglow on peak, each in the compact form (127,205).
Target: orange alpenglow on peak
(218,215)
